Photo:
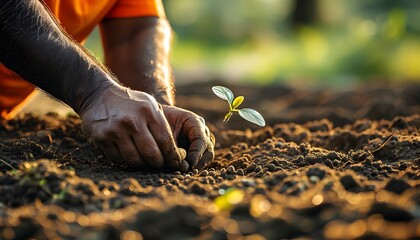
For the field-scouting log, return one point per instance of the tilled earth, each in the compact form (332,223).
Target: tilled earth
(330,164)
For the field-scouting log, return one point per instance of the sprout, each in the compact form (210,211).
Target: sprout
(246,113)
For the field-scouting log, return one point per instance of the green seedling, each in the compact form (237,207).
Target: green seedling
(246,113)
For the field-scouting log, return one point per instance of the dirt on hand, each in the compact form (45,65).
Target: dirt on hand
(329,164)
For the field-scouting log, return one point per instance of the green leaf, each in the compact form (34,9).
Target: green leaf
(252,116)
(238,100)
(227,117)
(223,93)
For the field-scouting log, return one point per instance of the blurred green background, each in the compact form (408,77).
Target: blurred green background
(318,41)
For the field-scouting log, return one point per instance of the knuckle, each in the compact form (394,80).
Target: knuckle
(151,102)
(125,121)
(196,121)
(150,98)
(199,137)
(152,153)
(128,123)
(207,131)
(112,134)
(149,110)
(196,117)
(201,119)
(146,107)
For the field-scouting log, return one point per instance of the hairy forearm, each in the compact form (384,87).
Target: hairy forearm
(137,51)
(33,45)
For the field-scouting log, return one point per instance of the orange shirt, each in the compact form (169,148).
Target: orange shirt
(78,17)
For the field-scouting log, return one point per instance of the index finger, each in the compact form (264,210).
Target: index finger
(162,133)
(198,138)
(207,157)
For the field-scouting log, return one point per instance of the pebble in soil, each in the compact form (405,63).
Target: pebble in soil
(289,180)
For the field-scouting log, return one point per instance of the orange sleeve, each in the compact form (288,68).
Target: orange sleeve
(136,8)
(13,92)
(78,17)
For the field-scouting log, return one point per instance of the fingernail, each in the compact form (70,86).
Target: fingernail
(182,153)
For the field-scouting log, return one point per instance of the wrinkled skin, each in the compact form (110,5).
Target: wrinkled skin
(127,125)
(137,51)
(191,133)
(132,126)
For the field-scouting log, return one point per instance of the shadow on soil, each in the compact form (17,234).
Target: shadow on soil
(319,169)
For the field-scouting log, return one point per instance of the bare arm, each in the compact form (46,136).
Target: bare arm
(125,124)
(137,51)
(34,45)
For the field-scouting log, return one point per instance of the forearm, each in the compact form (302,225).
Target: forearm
(33,45)
(137,51)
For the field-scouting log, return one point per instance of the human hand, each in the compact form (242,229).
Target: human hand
(191,133)
(130,125)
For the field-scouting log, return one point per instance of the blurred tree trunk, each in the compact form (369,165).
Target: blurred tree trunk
(305,12)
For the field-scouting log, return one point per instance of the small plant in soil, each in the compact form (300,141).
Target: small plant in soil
(246,113)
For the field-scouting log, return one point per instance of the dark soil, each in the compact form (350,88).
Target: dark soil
(319,169)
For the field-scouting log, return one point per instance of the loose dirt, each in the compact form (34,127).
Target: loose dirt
(319,169)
